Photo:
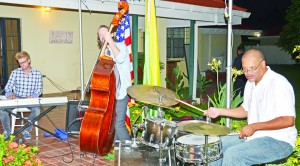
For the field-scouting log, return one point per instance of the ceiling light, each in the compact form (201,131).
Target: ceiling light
(47,9)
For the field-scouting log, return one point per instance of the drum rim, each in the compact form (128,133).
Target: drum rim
(188,135)
(169,123)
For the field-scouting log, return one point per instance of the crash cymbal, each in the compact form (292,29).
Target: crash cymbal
(153,95)
(205,128)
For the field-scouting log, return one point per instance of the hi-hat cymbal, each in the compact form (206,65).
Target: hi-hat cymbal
(205,128)
(153,95)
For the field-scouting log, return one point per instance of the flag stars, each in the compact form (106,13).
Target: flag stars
(126,23)
(122,35)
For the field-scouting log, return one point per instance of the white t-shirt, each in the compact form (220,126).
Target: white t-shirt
(271,98)
(123,67)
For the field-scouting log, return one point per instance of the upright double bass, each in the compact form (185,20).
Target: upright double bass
(97,128)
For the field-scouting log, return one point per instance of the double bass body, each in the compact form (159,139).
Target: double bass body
(97,128)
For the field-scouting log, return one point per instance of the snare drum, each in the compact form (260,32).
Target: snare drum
(191,148)
(151,133)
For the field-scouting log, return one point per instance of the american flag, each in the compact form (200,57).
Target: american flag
(124,35)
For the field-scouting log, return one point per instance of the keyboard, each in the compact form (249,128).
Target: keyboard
(33,102)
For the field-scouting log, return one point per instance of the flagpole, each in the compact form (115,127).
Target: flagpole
(229,60)
(81,52)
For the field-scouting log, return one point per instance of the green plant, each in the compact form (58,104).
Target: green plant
(290,36)
(296,53)
(13,154)
(177,87)
(203,83)
(218,99)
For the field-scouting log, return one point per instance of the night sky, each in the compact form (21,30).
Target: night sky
(265,14)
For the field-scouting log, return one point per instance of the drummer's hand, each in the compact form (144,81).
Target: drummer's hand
(212,112)
(247,131)
(12,96)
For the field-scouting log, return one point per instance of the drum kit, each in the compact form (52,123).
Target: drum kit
(194,142)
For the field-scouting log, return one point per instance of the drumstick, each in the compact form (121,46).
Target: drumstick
(189,105)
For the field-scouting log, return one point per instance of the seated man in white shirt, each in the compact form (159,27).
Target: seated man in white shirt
(269,105)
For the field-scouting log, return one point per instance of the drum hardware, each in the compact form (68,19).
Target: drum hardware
(145,110)
(206,149)
(208,120)
(160,113)
(134,131)
(161,158)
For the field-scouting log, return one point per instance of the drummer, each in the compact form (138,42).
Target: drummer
(269,105)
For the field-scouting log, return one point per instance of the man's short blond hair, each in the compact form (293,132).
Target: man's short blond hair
(21,55)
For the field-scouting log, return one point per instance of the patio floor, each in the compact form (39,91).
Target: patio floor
(56,152)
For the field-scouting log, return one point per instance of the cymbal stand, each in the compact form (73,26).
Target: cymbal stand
(166,143)
(169,154)
(145,110)
(160,113)
(161,159)
(134,131)
(208,120)
(206,150)
(174,149)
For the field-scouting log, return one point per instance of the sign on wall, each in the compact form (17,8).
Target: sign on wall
(60,37)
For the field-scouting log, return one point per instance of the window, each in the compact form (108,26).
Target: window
(176,40)
(10,43)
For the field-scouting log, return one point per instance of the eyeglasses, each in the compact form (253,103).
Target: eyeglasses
(252,69)
(21,63)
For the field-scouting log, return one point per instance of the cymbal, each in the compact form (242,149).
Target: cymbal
(153,95)
(202,127)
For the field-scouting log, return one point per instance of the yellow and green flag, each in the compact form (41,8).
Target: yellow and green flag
(152,62)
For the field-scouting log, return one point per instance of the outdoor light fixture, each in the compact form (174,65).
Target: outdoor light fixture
(257,34)
(47,9)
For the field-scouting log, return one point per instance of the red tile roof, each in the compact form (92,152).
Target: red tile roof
(208,3)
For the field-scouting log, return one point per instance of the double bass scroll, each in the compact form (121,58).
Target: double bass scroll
(97,129)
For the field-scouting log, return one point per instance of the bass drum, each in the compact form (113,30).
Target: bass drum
(191,149)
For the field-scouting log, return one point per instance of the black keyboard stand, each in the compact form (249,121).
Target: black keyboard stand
(42,114)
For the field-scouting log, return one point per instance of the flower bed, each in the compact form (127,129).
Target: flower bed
(13,154)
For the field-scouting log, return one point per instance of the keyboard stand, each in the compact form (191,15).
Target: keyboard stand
(42,114)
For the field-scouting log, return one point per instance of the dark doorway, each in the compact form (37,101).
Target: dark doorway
(10,44)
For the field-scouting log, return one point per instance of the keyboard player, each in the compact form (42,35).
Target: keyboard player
(24,82)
